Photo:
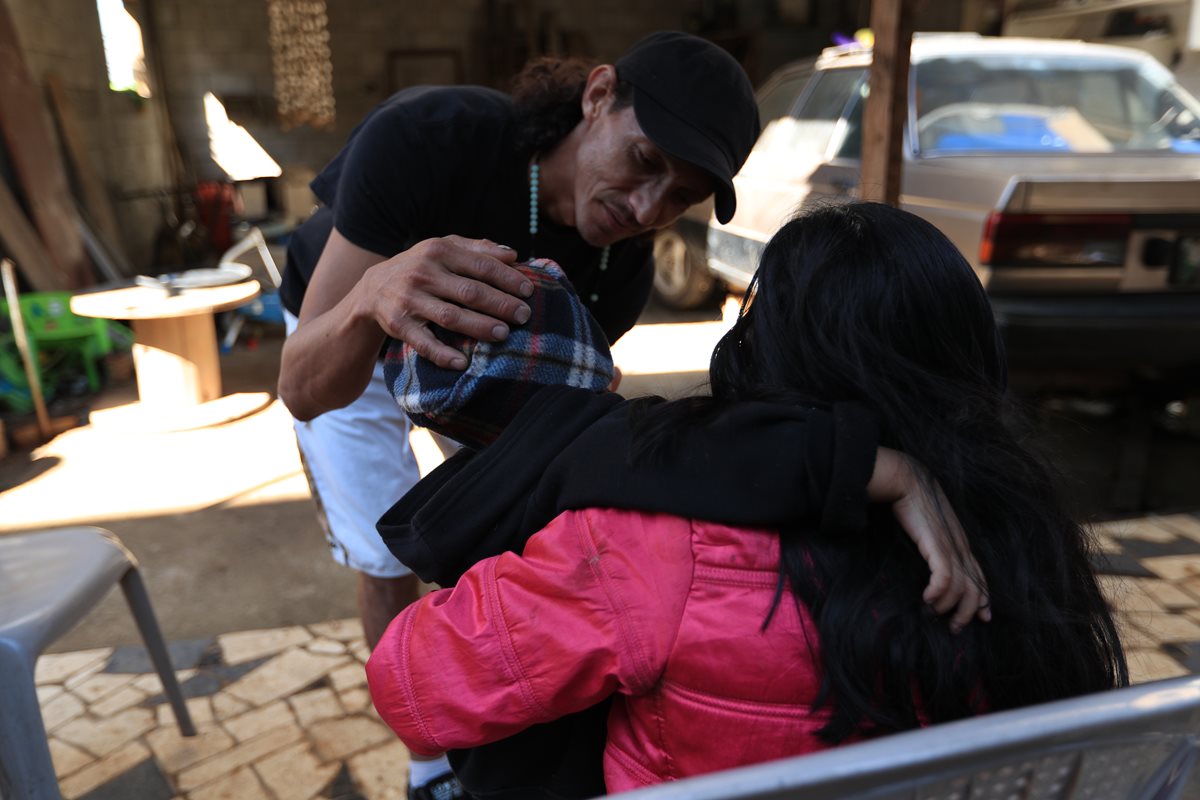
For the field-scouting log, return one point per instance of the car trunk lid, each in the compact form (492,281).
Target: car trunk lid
(1097,233)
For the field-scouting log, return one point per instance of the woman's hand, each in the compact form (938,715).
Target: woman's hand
(955,580)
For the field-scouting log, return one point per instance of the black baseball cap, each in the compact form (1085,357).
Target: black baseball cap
(695,102)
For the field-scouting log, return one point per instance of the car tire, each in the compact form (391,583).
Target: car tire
(681,277)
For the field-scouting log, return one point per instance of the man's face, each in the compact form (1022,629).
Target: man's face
(625,185)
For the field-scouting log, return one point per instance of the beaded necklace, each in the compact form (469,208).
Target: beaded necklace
(534,173)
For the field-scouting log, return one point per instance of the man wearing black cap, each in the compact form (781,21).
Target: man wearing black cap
(438,192)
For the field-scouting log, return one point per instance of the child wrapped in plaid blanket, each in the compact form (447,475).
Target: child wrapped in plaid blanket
(560,345)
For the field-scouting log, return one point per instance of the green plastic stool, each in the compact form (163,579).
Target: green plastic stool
(51,325)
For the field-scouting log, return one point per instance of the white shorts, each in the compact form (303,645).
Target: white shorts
(360,462)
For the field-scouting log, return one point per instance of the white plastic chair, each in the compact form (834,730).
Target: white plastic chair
(1138,743)
(254,240)
(48,582)
(266,307)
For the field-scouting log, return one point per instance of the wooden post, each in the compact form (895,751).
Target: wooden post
(22,243)
(886,113)
(36,162)
(9,276)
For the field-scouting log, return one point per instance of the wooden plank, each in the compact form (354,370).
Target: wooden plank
(95,196)
(887,107)
(22,243)
(37,163)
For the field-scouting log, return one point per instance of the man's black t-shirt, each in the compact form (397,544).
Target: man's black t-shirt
(437,161)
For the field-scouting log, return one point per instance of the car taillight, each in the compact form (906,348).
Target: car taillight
(1043,240)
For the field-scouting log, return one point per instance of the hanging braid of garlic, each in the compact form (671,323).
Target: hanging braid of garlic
(301,61)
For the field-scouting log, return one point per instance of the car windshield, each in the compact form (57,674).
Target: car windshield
(1039,104)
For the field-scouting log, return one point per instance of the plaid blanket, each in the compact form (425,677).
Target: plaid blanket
(560,345)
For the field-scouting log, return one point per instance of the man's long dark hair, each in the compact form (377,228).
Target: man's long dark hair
(866,303)
(548,94)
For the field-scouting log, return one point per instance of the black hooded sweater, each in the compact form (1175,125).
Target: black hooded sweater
(755,464)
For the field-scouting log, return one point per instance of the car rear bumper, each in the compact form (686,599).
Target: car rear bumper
(1110,332)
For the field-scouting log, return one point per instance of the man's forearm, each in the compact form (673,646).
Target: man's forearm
(327,363)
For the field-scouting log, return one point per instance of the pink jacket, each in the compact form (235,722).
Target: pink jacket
(663,611)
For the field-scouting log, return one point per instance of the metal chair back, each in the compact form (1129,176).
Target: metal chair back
(1137,743)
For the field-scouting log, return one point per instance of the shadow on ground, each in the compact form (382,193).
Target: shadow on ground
(23,467)
(224,569)
(1089,449)
(240,565)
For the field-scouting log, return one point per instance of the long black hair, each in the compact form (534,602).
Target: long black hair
(548,93)
(867,303)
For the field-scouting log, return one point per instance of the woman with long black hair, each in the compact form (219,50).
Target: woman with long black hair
(867,303)
(725,644)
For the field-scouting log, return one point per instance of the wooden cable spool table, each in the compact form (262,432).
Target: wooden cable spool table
(175,352)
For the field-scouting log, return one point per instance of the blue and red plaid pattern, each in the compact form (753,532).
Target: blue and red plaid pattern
(560,345)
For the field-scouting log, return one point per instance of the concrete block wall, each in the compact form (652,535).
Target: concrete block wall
(122,135)
(222,46)
(612,26)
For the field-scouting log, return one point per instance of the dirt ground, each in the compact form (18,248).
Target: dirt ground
(222,523)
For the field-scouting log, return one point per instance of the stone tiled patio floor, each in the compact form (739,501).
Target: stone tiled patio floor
(281,713)
(284,714)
